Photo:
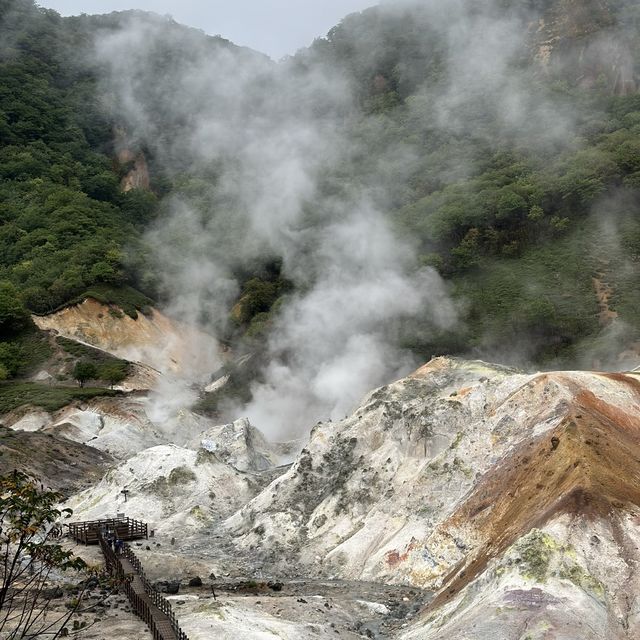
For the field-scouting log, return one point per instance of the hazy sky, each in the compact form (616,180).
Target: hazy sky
(275,27)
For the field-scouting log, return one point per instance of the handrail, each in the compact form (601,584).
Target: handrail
(141,605)
(158,599)
(88,531)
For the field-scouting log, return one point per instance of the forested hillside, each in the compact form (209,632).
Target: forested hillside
(64,219)
(517,177)
(522,185)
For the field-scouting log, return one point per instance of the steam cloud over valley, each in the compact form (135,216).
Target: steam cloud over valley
(265,138)
(270,171)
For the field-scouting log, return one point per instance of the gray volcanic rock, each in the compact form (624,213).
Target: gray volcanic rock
(59,463)
(588,41)
(514,496)
(241,445)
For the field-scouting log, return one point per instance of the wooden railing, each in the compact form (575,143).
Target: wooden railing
(143,603)
(124,528)
(111,560)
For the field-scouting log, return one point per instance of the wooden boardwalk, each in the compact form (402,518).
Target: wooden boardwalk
(146,602)
(158,622)
(124,528)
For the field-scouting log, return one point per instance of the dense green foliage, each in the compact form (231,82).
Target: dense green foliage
(126,298)
(519,216)
(93,364)
(22,352)
(520,213)
(65,223)
(13,315)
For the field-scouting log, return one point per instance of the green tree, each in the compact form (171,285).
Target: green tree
(13,315)
(85,370)
(113,372)
(29,526)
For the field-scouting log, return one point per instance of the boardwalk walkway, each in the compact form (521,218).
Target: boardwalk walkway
(145,601)
(160,624)
(122,527)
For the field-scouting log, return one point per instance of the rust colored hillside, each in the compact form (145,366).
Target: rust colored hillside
(588,465)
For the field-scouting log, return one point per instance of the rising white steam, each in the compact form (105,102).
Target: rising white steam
(270,135)
(258,142)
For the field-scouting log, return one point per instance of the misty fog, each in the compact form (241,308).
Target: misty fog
(264,146)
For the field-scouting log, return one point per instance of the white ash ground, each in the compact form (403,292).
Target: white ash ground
(384,497)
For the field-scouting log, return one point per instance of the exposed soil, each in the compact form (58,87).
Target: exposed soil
(574,468)
(59,463)
(604,291)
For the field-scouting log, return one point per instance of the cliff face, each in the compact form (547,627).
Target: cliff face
(133,161)
(152,339)
(589,42)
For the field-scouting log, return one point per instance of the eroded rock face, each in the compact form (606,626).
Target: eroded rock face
(514,497)
(175,490)
(588,40)
(240,445)
(152,339)
(59,463)
(133,161)
(120,426)
(365,487)
(509,494)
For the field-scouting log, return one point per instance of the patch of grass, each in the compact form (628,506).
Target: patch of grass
(204,457)
(108,367)
(458,439)
(536,550)
(17,394)
(576,574)
(80,350)
(163,485)
(181,475)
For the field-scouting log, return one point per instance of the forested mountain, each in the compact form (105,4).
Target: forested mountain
(522,189)
(505,153)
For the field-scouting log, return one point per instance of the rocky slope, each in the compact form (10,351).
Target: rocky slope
(590,40)
(67,466)
(514,498)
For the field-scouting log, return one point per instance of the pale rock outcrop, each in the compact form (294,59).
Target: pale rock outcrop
(240,445)
(152,339)
(118,426)
(121,426)
(32,420)
(515,497)
(174,490)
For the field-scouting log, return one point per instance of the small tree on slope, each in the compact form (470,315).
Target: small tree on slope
(29,557)
(85,370)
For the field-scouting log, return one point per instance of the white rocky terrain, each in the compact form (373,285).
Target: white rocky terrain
(465,501)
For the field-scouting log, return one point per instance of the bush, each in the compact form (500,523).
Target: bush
(17,394)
